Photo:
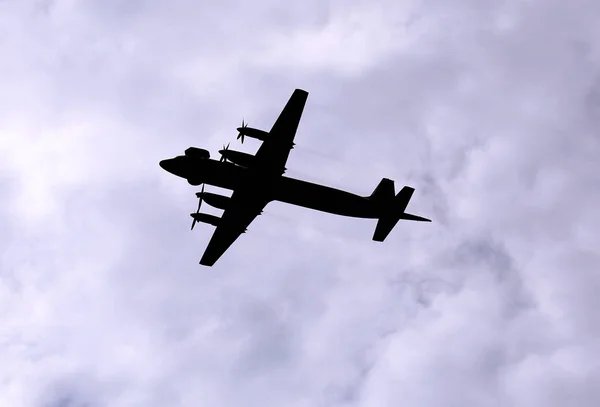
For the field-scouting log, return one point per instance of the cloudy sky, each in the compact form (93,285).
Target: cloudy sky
(490,110)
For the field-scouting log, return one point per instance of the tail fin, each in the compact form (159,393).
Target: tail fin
(384,191)
(394,212)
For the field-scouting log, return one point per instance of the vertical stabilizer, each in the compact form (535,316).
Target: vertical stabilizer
(394,212)
(384,192)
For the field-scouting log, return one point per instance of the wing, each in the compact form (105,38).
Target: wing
(274,151)
(247,204)
(235,220)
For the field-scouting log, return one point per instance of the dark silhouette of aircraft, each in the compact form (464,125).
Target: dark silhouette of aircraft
(258,179)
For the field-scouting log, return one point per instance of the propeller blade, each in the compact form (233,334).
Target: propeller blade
(201,193)
(199,204)
(241,135)
(200,199)
(225,148)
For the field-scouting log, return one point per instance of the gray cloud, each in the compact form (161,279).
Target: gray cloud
(488,109)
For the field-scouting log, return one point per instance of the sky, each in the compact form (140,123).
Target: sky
(489,109)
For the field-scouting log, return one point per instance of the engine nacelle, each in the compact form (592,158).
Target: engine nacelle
(239,158)
(206,218)
(194,182)
(253,133)
(195,152)
(215,200)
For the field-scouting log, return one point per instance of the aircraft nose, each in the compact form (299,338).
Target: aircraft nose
(164,164)
(170,165)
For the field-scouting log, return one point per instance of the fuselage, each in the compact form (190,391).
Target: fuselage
(278,188)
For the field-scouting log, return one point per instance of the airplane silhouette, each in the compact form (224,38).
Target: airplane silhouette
(258,179)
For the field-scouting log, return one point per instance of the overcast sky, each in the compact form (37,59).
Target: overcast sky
(489,109)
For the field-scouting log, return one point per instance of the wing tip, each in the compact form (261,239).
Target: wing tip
(206,262)
(301,92)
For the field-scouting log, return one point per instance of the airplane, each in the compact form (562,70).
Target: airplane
(259,179)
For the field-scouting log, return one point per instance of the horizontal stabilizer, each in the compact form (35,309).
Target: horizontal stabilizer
(408,216)
(395,212)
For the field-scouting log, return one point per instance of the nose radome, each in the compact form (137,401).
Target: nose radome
(177,166)
(168,165)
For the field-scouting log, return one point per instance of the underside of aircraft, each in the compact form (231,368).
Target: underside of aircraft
(259,179)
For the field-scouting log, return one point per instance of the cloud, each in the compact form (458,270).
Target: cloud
(488,110)
(356,38)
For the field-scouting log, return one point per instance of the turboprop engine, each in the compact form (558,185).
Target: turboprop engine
(244,130)
(206,218)
(214,200)
(237,157)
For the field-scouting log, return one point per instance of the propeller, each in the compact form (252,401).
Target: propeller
(225,148)
(241,135)
(199,195)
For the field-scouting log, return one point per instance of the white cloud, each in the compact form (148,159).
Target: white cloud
(355,39)
(489,111)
